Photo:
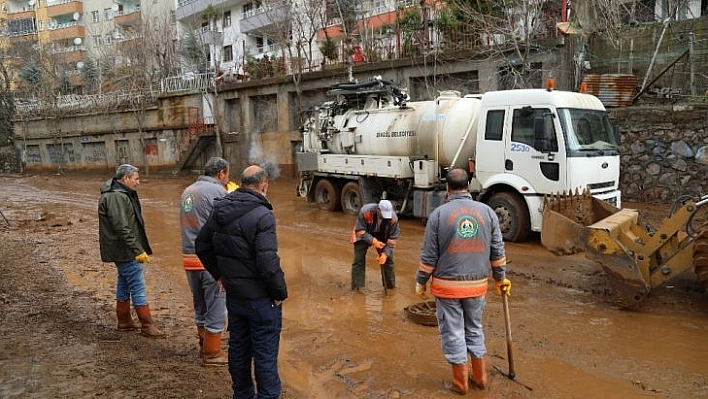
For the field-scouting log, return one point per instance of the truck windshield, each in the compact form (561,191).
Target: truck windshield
(587,130)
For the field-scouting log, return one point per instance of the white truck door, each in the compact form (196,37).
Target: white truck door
(544,168)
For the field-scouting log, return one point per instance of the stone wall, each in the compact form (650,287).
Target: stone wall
(664,152)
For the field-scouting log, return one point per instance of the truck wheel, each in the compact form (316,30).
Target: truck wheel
(513,215)
(351,198)
(327,195)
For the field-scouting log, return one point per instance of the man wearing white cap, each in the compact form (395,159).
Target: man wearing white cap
(376,226)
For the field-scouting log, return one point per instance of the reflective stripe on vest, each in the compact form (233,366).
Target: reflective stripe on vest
(455,289)
(191,262)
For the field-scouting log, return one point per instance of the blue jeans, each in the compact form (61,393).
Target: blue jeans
(131,283)
(460,326)
(254,335)
(209,301)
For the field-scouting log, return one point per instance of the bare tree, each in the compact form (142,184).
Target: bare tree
(142,56)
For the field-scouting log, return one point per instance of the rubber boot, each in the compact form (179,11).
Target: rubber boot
(200,334)
(460,383)
(147,328)
(125,320)
(478,375)
(212,355)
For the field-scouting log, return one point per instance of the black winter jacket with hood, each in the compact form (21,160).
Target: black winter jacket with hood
(238,245)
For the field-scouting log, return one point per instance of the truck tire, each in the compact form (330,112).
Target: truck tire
(327,195)
(513,214)
(351,198)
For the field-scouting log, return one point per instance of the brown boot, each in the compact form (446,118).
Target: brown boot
(460,383)
(478,376)
(147,328)
(125,320)
(200,334)
(213,356)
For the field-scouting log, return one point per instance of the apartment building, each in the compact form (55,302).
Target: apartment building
(67,33)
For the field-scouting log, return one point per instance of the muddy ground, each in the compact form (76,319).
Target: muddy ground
(569,341)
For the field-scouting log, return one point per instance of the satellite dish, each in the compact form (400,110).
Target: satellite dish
(52,24)
(77,41)
(80,65)
(31,3)
(76,16)
(114,7)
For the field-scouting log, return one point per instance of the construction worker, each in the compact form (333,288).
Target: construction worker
(462,240)
(376,226)
(208,295)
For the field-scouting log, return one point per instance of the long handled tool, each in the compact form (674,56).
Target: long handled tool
(383,279)
(507,322)
(509,351)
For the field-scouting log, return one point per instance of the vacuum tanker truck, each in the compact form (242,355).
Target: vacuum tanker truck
(373,143)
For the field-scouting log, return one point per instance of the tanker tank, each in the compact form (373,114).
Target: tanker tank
(415,131)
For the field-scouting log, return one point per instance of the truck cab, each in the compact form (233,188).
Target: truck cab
(538,142)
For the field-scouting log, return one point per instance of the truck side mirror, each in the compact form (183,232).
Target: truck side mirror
(544,134)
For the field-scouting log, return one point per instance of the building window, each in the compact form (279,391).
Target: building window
(109,39)
(107,14)
(228,53)
(98,40)
(227,19)
(173,17)
(95,16)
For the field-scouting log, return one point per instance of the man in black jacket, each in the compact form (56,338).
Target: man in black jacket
(239,247)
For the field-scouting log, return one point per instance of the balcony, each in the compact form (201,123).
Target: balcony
(193,8)
(11,16)
(68,30)
(261,19)
(209,36)
(64,8)
(71,54)
(128,42)
(19,27)
(129,19)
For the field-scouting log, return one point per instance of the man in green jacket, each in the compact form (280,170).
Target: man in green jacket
(123,241)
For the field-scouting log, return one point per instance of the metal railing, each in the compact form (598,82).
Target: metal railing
(76,102)
(187,82)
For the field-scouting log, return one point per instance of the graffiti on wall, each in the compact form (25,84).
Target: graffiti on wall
(123,151)
(61,153)
(32,154)
(95,152)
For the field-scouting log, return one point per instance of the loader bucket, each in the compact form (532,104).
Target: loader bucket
(566,218)
(576,223)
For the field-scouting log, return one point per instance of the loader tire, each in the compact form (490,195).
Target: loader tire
(700,256)
(513,214)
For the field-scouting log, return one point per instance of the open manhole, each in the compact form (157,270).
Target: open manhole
(422,313)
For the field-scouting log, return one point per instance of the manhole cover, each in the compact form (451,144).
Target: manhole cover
(422,313)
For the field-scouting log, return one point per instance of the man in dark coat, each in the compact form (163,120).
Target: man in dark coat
(121,231)
(239,247)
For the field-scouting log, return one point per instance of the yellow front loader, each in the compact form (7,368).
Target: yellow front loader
(635,258)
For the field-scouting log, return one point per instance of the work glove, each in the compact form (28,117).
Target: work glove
(420,290)
(377,244)
(382,258)
(503,286)
(142,258)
